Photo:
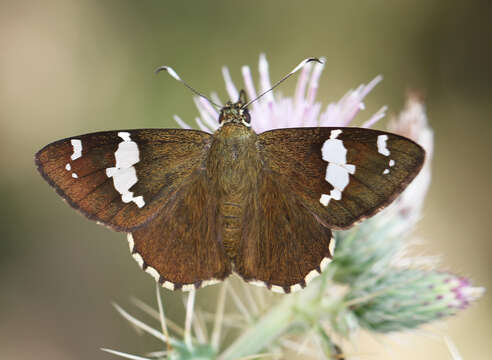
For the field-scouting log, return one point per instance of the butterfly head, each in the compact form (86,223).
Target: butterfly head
(235,112)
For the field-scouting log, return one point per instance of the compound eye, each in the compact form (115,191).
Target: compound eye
(247,117)
(225,110)
(221,117)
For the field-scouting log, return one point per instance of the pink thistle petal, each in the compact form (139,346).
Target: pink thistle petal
(344,111)
(208,120)
(330,116)
(181,123)
(356,97)
(276,111)
(302,84)
(215,98)
(202,126)
(212,113)
(265,78)
(412,122)
(372,84)
(249,84)
(260,117)
(311,116)
(230,87)
(314,82)
(381,113)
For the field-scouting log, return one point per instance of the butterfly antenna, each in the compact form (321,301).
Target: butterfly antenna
(296,69)
(173,73)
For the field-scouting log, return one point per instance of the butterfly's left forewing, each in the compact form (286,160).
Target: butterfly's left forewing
(122,178)
(341,175)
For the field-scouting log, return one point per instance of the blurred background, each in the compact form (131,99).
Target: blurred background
(70,67)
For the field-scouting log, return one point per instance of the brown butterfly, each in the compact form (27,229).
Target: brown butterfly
(199,206)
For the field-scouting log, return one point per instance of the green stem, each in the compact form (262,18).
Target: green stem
(265,331)
(303,304)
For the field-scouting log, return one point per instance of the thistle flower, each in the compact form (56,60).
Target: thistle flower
(368,285)
(382,241)
(274,111)
(412,122)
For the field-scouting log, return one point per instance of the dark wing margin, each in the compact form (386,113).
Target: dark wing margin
(283,246)
(122,178)
(341,175)
(180,247)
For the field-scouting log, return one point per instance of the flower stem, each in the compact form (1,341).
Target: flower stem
(302,305)
(265,331)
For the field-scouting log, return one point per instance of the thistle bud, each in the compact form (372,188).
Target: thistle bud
(406,298)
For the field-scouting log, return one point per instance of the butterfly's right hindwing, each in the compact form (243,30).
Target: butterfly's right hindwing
(283,246)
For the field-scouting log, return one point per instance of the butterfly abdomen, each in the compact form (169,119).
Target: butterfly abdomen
(233,166)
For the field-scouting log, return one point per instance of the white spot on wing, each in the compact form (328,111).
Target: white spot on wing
(153,272)
(168,285)
(334,133)
(138,258)
(210,282)
(77,149)
(324,263)
(332,245)
(310,276)
(277,289)
(131,243)
(383,149)
(77,153)
(124,173)
(382,146)
(337,172)
(257,283)
(188,287)
(337,176)
(391,164)
(324,199)
(295,288)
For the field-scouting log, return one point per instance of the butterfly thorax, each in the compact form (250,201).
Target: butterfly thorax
(233,165)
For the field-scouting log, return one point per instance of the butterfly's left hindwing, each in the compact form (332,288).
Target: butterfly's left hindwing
(181,246)
(122,178)
(341,175)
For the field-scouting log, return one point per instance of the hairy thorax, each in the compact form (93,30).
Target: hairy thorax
(233,154)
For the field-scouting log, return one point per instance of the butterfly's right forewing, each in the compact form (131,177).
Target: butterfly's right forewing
(122,178)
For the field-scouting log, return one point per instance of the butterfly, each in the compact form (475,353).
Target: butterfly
(198,206)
